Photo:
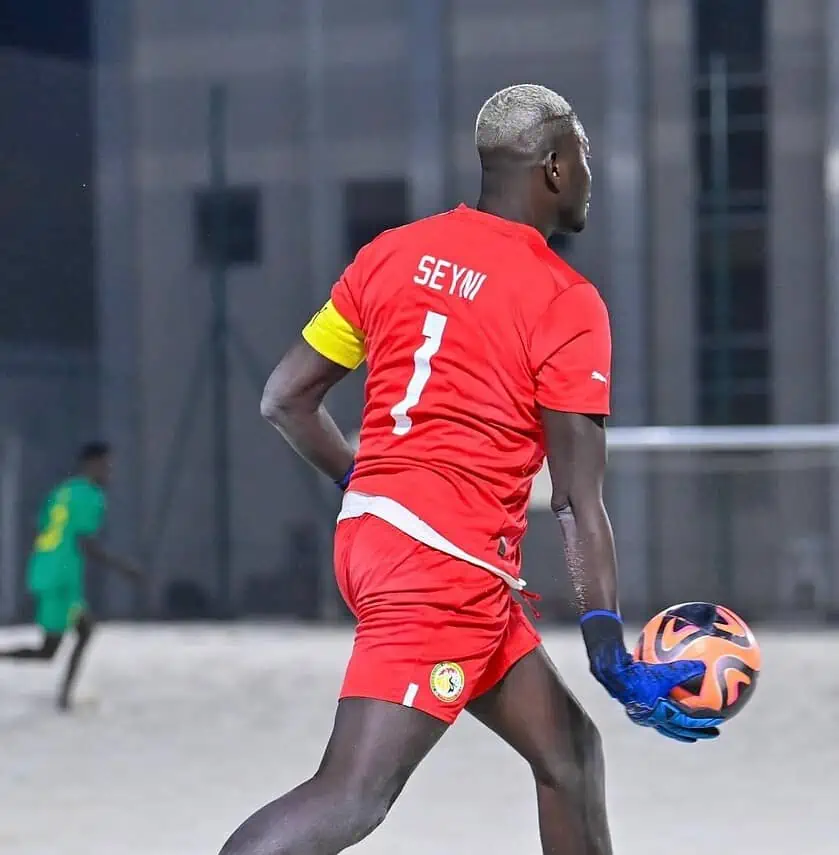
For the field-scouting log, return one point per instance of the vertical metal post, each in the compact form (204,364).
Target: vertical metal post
(217,131)
(721,285)
(431,131)
(322,238)
(831,173)
(321,190)
(721,289)
(626,194)
(119,290)
(11,456)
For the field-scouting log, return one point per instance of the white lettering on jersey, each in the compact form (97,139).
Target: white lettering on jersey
(440,269)
(424,267)
(439,274)
(471,284)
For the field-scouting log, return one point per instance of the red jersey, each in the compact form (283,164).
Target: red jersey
(471,323)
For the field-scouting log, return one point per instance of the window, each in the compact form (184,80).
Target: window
(371,207)
(730,98)
(733,29)
(227,226)
(61,29)
(741,305)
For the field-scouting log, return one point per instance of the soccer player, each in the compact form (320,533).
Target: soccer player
(485,352)
(70,521)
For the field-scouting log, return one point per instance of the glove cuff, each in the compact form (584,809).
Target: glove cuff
(601,627)
(344,482)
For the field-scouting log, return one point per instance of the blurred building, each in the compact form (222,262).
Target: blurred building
(710,122)
(49,390)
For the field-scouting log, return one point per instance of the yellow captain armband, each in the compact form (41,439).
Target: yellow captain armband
(335,338)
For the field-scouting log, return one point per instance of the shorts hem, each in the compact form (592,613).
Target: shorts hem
(56,616)
(447,716)
(535,644)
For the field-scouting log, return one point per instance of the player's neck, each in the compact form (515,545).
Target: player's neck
(509,208)
(88,477)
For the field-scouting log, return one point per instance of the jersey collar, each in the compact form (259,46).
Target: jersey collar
(499,224)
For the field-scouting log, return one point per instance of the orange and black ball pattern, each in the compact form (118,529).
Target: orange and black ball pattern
(717,636)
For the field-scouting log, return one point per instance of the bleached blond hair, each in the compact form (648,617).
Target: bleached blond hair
(513,121)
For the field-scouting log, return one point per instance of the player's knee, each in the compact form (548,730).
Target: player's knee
(365,812)
(592,748)
(350,811)
(569,770)
(85,630)
(365,801)
(50,647)
(362,796)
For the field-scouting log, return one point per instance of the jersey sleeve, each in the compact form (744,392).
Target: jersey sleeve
(571,353)
(88,512)
(346,293)
(337,330)
(334,337)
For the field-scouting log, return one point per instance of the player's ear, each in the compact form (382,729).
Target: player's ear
(552,171)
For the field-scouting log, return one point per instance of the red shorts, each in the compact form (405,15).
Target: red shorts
(433,632)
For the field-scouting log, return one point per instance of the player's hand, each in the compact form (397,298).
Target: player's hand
(344,482)
(643,689)
(133,569)
(644,692)
(669,720)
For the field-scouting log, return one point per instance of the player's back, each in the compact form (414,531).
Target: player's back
(73,509)
(446,328)
(458,312)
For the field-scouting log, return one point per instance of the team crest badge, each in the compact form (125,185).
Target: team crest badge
(447,681)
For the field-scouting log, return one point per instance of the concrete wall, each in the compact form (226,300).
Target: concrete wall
(161,59)
(48,371)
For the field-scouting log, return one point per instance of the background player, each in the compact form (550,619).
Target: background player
(484,351)
(71,518)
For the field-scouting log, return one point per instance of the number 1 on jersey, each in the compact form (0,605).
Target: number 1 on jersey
(432,329)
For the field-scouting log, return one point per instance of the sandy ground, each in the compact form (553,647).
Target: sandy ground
(185,730)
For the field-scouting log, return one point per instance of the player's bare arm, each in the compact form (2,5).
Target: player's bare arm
(293,403)
(94,550)
(576,449)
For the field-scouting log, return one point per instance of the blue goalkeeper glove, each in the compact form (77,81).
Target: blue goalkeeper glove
(642,689)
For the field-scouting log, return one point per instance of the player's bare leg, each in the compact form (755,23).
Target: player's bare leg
(532,710)
(374,748)
(84,632)
(44,653)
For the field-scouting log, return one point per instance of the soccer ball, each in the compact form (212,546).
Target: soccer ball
(717,636)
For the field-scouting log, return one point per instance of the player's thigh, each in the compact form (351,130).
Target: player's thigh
(428,624)
(535,713)
(376,745)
